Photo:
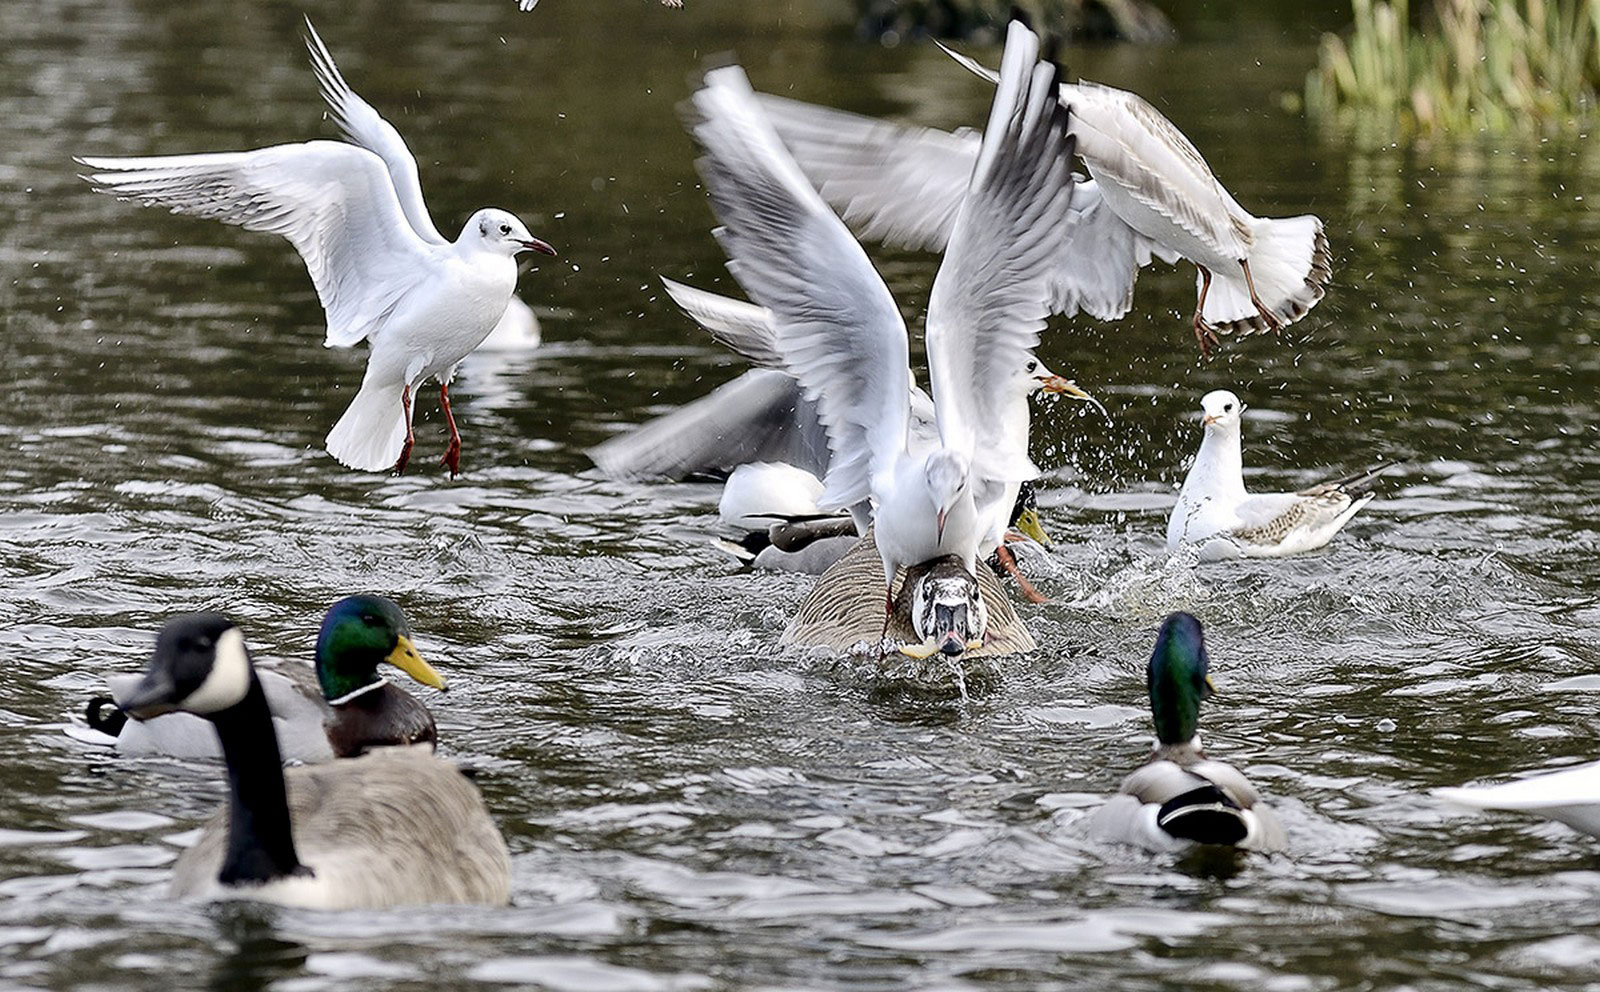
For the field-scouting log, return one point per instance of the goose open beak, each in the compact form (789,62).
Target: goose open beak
(534,244)
(406,658)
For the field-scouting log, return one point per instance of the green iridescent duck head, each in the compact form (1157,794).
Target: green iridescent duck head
(359,634)
(1178,680)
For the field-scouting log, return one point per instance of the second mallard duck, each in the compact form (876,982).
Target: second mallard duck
(351,708)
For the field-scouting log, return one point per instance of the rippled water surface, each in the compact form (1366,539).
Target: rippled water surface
(687,805)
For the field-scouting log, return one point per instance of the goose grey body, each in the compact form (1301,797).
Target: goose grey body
(394,827)
(845,608)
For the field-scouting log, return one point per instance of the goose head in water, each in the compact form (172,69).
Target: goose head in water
(947,611)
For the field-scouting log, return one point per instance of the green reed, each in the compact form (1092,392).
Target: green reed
(1473,65)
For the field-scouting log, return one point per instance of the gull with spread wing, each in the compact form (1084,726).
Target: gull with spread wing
(421,306)
(1151,194)
(361,124)
(841,335)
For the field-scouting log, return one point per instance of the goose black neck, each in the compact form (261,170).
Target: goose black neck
(260,845)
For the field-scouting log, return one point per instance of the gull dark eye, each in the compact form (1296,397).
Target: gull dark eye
(505,228)
(1228,408)
(1032,366)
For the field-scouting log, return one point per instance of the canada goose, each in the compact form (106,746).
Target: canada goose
(845,608)
(393,827)
(350,709)
(1180,797)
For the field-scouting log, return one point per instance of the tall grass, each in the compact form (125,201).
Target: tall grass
(1473,65)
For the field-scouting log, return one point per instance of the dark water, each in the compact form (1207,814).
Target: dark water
(688,806)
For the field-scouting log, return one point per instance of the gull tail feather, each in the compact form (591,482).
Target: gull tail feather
(1290,265)
(372,431)
(1362,482)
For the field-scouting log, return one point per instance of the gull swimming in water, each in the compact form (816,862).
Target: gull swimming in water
(1180,797)
(1152,194)
(841,334)
(361,124)
(421,306)
(1216,516)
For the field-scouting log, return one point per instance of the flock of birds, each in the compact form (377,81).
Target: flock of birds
(829,444)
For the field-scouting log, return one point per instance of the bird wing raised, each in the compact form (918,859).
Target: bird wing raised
(743,328)
(898,185)
(334,202)
(903,186)
(990,298)
(839,330)
(1125,140)
(362,125)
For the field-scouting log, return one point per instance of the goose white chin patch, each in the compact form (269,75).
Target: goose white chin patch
(228,680)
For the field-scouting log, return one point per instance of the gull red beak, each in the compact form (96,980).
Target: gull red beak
(534,244)
(941,523)
(1208,420)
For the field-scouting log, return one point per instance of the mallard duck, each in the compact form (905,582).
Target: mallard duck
(1215,516)
(351,709)
(1570,796)
(393,827)
(1180,797)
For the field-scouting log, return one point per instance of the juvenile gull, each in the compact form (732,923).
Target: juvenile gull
(1216,516)
(421,306)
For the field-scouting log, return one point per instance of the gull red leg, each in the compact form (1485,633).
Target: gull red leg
(1261,308)
(1008,561)
(411,439)
(1203,334)
(452,453)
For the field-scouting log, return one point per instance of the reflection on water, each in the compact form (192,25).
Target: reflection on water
(688,806)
